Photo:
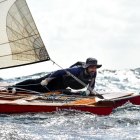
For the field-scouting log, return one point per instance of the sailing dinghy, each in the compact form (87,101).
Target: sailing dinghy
(21,44)
(62,100)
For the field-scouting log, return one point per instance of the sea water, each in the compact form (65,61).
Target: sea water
(122,123)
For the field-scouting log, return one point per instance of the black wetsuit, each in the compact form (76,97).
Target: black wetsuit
(61,81)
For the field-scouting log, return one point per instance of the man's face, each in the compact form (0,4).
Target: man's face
(92,69)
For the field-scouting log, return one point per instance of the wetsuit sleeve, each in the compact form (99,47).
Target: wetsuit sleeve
(74,71)
(92,83)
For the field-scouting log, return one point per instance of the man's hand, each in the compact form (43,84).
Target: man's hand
(44,82)
(85,93)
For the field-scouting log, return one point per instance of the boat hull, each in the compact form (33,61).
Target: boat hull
(9,109)
(135,99)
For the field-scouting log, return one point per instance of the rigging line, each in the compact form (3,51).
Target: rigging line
(18,39)
(32,85)
(31,91)
(3,1)
(20,52)
(39,93)
(81,82)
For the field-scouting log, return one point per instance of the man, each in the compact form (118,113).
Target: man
(61,80)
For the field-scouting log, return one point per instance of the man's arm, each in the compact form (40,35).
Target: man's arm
(74,71)
(91,84)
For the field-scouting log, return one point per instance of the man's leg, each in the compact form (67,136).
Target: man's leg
(32,84)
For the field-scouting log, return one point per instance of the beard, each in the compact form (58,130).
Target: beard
(91,72)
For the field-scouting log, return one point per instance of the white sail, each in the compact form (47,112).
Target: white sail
(20,42)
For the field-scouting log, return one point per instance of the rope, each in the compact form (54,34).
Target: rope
(32,85)
(47,88)
(15,86)
(39,93)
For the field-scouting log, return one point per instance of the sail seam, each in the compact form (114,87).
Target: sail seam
(23,28)
(14,32)
(17,25)
(18,39)
(23,38)
(48,58)
(25,17)
(35,24)
(20,52)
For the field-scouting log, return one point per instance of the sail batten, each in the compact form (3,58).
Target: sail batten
(20,41)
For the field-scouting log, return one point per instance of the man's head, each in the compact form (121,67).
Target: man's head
(91,69)
(91,66)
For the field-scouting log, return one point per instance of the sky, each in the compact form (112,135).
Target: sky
(73,30)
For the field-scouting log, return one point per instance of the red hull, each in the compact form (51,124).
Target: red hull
(133,99)
(4,108)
